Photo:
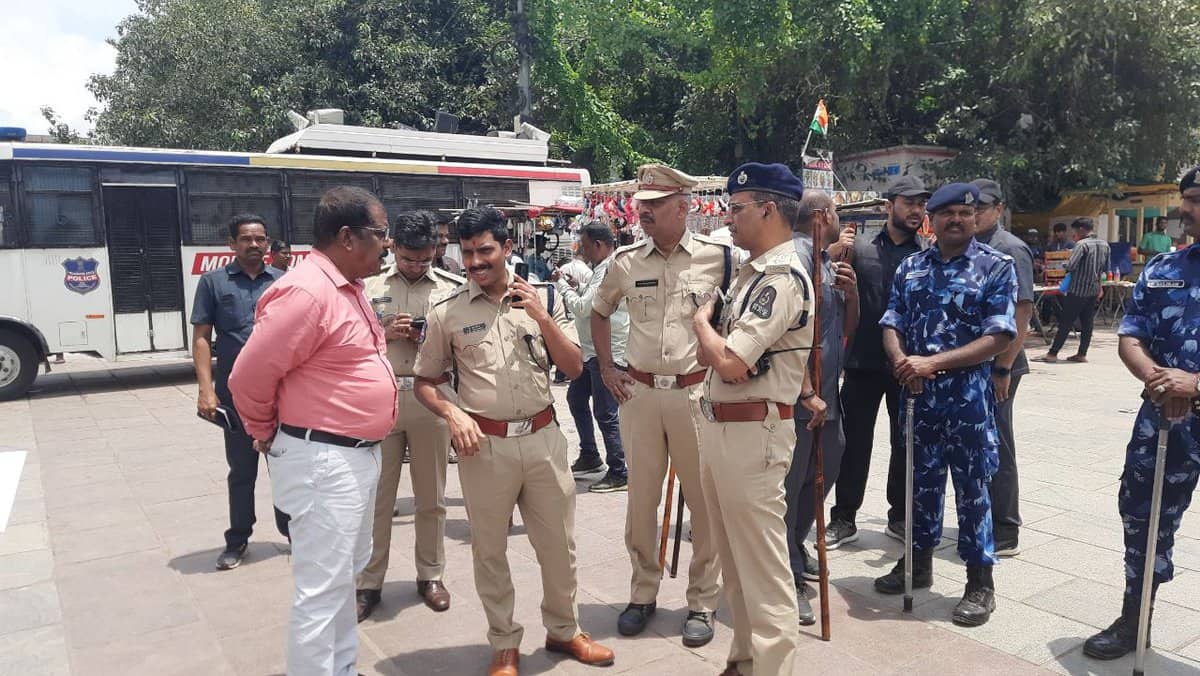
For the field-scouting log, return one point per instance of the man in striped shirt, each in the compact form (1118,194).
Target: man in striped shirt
(1089,259)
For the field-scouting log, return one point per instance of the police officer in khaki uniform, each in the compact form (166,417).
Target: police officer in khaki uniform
(757,370)
(402,295)
(661,277)
(505,335)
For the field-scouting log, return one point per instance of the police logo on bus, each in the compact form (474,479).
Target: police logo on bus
(81,274)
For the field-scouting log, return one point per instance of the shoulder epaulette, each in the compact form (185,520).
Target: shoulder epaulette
(448,276)
(709,239)
(632,247)
(453,294)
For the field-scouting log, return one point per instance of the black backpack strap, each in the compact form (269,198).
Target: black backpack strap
(550,300)
(728,269)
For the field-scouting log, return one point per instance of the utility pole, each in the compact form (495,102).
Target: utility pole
(523,51)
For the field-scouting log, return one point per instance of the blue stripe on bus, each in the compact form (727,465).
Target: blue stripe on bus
(77,153)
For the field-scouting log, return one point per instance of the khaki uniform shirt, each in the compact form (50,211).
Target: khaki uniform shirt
(663,292)
(769,313)
(503,364)
(405,297)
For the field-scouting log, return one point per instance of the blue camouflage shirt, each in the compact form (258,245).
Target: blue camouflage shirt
(939,305)
(1164,311)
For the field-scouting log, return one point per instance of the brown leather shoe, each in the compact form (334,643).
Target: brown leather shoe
(582,648)
(504,662)
(366,600)
(435,594)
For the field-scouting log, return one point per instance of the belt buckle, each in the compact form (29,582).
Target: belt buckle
(404,383)
(518,428)
(665,382)
(706,408)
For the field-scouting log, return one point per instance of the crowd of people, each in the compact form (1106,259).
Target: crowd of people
(695,362)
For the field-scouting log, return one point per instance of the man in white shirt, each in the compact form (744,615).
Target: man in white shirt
(596,246)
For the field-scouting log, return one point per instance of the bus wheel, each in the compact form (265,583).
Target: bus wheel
(18,365)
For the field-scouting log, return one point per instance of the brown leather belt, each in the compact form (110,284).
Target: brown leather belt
(748,411)
(666,382)
(405,383)
(515,428)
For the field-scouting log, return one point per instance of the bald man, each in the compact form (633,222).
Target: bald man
(839,318)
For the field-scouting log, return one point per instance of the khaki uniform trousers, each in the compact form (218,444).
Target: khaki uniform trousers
(657,425)
(532,473)
(744,467)
(428,440)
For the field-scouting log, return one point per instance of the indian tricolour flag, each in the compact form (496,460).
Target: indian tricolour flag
(820,121)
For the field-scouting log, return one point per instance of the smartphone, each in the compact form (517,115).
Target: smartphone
(418,324)
(522,270)
(224,419)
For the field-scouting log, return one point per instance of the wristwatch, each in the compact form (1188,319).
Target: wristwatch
(1000,370)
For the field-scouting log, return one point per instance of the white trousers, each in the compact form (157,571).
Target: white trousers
(329,491)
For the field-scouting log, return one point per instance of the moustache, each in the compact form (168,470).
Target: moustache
(479,268)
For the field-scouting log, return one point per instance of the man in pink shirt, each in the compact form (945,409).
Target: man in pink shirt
(315,390)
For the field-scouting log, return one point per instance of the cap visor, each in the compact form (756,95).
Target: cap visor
(911,193)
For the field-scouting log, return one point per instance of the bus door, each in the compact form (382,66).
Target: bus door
(142,226)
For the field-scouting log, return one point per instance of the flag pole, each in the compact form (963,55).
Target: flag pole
(808,138)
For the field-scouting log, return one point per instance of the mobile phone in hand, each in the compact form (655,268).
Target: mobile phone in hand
(223,418)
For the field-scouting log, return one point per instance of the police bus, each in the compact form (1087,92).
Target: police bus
(101,248)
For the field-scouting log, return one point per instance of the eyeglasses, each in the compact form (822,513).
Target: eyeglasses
(737,207)
(381,233)
(416,263)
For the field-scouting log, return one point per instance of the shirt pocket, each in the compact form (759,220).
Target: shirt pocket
(479,355)
(231,313)
(644,306)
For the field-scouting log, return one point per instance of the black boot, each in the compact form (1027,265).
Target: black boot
(979,600)
(893,582)
(1120,638)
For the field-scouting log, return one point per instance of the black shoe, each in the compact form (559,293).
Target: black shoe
(895,531)
(610,484)
(1120,638)
(634,618)
(452,458)
(812,571)
(1006,544)
(979,600)
(584,466)
(893,582)
(231,558)
(840,532)
(366,600)
(807,617)
(697,629)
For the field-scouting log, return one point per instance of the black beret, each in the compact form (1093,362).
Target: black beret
(773,178)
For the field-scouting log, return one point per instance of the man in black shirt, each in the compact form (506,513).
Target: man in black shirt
(868,376)
(1009,366)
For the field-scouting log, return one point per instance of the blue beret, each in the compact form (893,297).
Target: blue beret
(952,194)
(772,178)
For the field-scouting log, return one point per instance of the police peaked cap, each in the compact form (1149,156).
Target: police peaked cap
(953,194)
(776,179)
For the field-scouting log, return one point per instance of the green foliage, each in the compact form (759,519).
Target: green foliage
(1044,95)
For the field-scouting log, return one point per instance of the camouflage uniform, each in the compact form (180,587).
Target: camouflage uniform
(938,306)
(1164,315)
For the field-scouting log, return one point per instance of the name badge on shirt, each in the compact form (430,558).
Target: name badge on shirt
(917,274)
(475,328)
(643,283)
(1165,283)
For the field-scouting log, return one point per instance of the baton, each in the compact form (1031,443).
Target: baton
(909,403)
(818,242)
(678,533)
(666,522)
(1160,461)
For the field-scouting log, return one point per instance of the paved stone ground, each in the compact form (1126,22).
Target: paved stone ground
(106,566)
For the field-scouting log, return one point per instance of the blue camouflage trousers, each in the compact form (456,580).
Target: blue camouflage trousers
(1137,484)
(954,432)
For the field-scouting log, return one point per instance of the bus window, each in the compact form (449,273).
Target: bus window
(305,189)
(481,191)
(60,207)
(8,216)
(406,193)
(216,195)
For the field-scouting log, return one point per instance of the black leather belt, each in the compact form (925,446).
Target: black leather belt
(325,437)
